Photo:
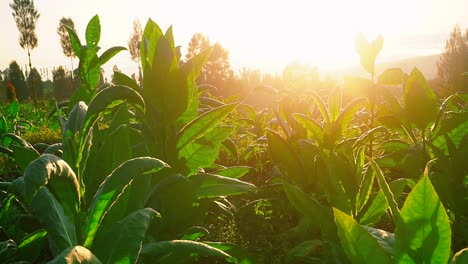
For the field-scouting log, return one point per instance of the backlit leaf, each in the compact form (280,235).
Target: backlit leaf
(423,234)
(420,101)
(359,245)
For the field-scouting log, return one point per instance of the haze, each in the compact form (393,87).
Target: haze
(265,35)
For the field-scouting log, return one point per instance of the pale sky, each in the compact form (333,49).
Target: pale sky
(261,34)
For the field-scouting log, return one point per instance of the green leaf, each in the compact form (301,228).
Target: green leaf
(334,104)
(180,249)
(60,228)
(365,188)
(321,106)
(319,216)
(75,41)
(112,187)
(24,155)
(285,157)
(123,242)
(109,53)
(89,69)
(420,101)
(53,172)
(349,112)
(93,32)
(203,124)
(392,76)
(384,238)
(423,234)
(102,100)
(124,80)
(193,66)
(314,130)
(234,172)
(204,151)
(32,246)
(210,186)
(75,255)
(379,204)
(359,245)
(386,190)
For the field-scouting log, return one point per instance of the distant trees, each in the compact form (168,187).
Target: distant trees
(36,80)
(65,39)
(134,44)
(63,84)
(454,62)
(217,70)
(26,16)
(16,76)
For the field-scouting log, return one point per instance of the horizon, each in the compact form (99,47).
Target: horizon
(260,36)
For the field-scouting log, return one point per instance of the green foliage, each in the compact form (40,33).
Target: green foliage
(420,101)
(358,244)
(89,68)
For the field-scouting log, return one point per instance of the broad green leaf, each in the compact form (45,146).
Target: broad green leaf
(89,69)
(194,233)
(461,257)
(151,35)
(365,188)
(123,243)
(102,100)
(74,40)
(334,104)
(204,151)
(210,186)
(314,130)
(420,101)
(368,51)
(124,80)
(454,126)
(53,172)
(203,124)
(319,216)
(193,66)
(285,157)
(392,76)
(239,254)
(348,113)
(24,155)
(181,248)
(385,239)
(60,228)
(386,190)
(112,187)
(321,106)
(359,245)
(32,246)
(423,234)
(379,205)
(93,32)
(362,140)
(75,255)
(109,54)
(234,172)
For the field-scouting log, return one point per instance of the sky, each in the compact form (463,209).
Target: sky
(259,34)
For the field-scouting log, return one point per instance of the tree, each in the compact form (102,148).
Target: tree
(65,39)
(36,79)
(16,77)
(26,16)
(62,83)
(454,62)
(134,44)
(217,70)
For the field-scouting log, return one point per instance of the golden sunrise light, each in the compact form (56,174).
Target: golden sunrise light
(264,35)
